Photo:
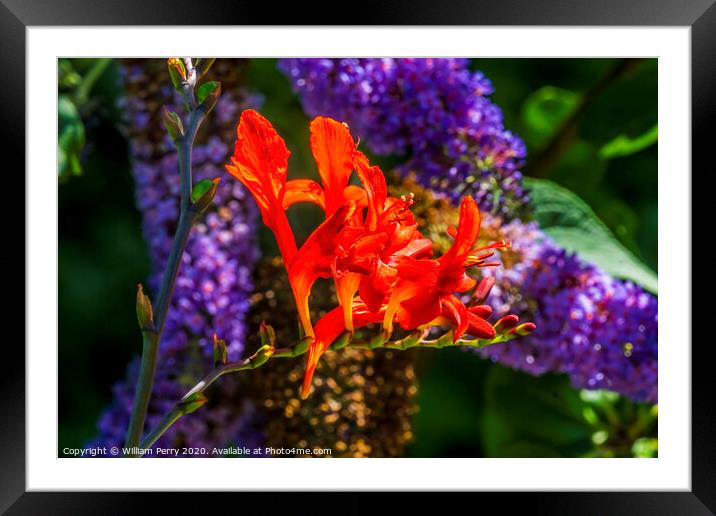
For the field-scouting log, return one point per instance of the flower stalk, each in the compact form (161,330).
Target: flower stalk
(189,211)
(267,352)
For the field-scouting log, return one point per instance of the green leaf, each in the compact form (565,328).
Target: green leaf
(623,145)
(205,90)
(202,66)
(528,416)
(172,123)
(545,110)
(71,138)
(646,447)
(572,224)
(201,188)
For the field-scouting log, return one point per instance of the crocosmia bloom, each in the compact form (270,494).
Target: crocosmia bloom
(424,289)
(369,243)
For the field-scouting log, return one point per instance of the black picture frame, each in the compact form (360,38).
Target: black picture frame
(17,15)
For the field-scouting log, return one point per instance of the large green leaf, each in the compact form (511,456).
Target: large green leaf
(572,224)
(527,416)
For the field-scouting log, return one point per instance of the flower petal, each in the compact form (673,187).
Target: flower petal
(314,260)
(375,287)
(260,162)
(332,146)
(346,287)
(375,187)
(457,311)
(328,329)
(479,327)
(303,190)
(261,156)
(483,311)
(467,231)
(417,309)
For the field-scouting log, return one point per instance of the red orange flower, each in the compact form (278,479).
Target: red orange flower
(424,289)
(369,242)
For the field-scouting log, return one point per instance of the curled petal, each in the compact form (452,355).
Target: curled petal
(303,190)
(417,248)
(457,311)
(375,187)
(363,252)
(314,260)
(375,287)
(328,329)
(346,286)
(411,305)
(356,194)
(467,231)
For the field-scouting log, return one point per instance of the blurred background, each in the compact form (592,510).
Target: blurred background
(589,125)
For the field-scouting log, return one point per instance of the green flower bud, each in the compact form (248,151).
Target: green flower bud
(173,124)
(262,355)
(221,355)
(267,334)
(192,403)
(177,72)
(342,341)
(145,316)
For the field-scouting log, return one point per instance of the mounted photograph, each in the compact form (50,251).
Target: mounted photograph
(394,257)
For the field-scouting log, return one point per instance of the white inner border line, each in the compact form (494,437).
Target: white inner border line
(671,471)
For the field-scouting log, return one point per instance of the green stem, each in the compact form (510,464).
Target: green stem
(143,391)
(152,337)
(178,411)
(88,81)
(412,341)
(564,137)
(185,145)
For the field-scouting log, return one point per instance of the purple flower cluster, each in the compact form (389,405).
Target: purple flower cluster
(601,331)
(215,279)
(434,111)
